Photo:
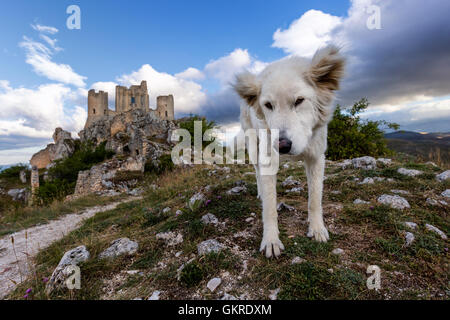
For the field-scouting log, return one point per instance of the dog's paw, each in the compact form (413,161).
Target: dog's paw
(319,232)
(271,246)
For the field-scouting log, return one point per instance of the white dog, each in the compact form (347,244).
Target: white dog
(293,95)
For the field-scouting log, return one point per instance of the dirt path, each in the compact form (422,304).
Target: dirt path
(15,259)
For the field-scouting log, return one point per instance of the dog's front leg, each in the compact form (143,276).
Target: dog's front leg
(270,243)
(314,171)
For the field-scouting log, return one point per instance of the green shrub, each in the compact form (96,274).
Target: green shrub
(188,124)
(349,136)
(63,175)
(191,274)
(13,172)
(163,164)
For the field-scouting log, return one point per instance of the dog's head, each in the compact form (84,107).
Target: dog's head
(294,95)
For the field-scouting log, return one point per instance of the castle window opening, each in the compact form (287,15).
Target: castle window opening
(133,100)
(166,114)
(94,111)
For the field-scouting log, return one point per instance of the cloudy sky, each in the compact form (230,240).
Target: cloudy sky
(399,59)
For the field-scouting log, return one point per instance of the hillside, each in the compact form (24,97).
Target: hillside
(424,146)
(165,262)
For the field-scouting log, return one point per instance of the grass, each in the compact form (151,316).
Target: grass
(369,235)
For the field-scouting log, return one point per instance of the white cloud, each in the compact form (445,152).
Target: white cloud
(39,56)
(106,86)
(21,155)
(51,42)
(188,95)
(44,29)
(191,74)
(225,68)
(306,34)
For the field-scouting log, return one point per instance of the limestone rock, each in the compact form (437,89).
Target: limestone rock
(446,193)
(237,190)
(337,251)
(60,274)
(411,225)
(155,295)
(196,200)
(209,246)
(409,172)
(396,191)
(171,238)
(365,163)
(443,176)
(290,182)
(63,147)
(367,180)
(436,230)
(395,202)
(209,218)
(297,260)
(359,201)
(119,247)
(347,163)
(213,284)
(283,206)
(384,161)
(227,296)
(295,190)
(18,194)
(409,238)
(274,294)
(23,176)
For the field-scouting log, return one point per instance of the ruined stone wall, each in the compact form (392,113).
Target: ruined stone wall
(165,107)
(136,97)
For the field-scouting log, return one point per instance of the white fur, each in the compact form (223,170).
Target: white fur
(281,84)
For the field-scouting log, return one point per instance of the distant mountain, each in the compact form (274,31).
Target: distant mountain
(433,146)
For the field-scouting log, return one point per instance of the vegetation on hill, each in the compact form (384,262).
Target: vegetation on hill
(349,136)
(62,176)
(188,124)
(369,234)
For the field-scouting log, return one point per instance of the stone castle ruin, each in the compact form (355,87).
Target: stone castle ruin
(127,99)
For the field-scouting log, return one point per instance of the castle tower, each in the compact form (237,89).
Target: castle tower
(97,106)
(136,97)
(165,107)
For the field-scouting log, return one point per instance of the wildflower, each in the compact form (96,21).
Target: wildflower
(45,279)
(207,202)
(25,296)
(28,291)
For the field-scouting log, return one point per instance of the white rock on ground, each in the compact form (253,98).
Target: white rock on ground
(295,190)
(196,200)
(297,260)
(155,295)
(411,225)
(208,246)
(446,193)
(166,210)
(409,237)
(274,294)
(213,284)
(237,190)
(384,161)
(171,238)
(396,191)
(367,180)
(344,164)
(365,163)
(432,202)
(283,206)
(409,172)
(337,251)
(359,201)
(119,247)
(227,296)
(209,218)
(59,275)
(443,176)
(436,230)
(395,202)
(18,194)
(290,182)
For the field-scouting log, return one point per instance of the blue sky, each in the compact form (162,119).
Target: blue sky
(192,49)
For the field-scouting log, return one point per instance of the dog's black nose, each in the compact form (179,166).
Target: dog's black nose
(284,145)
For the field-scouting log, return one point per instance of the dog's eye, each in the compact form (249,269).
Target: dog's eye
(298,102)
(269,106)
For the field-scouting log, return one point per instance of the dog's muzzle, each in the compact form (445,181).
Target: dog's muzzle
(284,145)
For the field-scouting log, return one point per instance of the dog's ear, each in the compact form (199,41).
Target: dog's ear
(248,88)
(327,68)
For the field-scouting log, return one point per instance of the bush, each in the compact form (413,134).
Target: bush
(349,136)
(163,164)
(13,172)
(63,175)
(188,124)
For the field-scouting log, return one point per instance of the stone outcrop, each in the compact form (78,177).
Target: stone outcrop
(113,175)
(63,147)
(122,246)
(133,132)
